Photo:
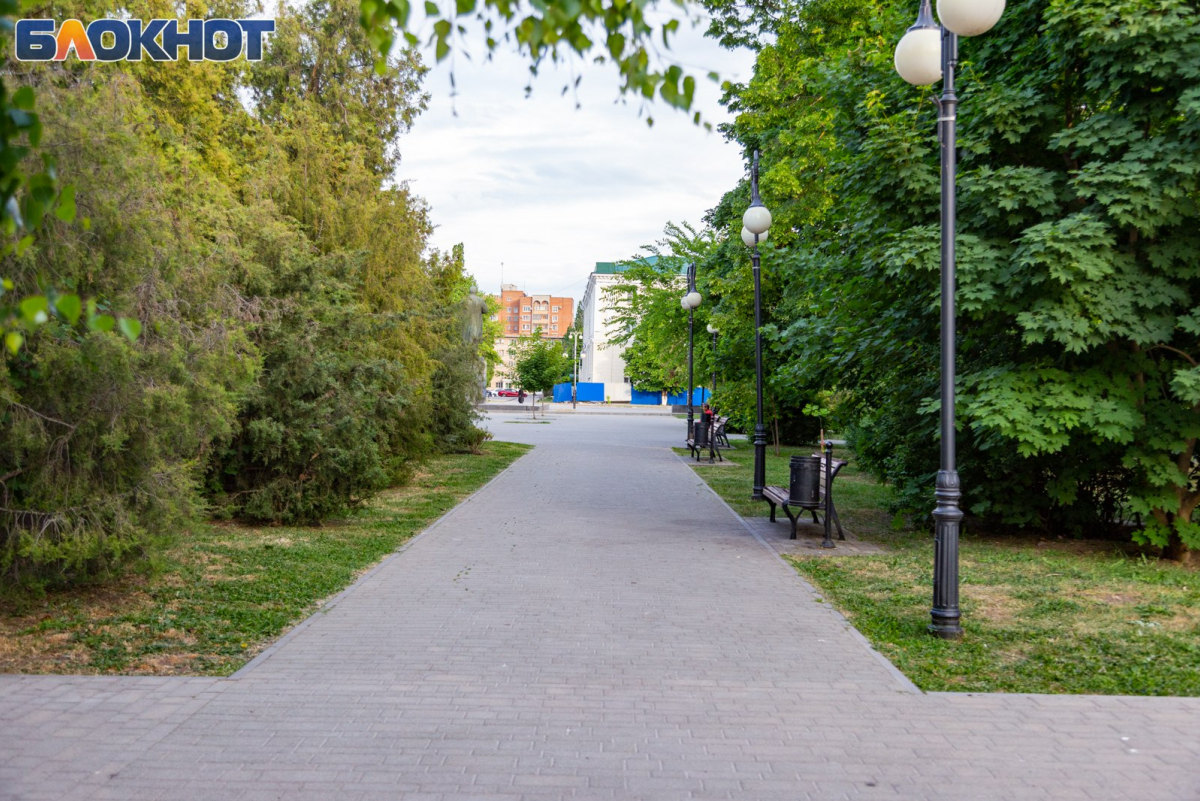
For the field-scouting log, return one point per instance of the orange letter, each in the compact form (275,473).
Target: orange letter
(72,34)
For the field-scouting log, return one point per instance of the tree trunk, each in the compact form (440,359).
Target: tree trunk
(1176,551)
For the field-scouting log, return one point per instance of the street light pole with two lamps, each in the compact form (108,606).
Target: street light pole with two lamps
(929,52)
(712,413)
(755,222)
(690,301)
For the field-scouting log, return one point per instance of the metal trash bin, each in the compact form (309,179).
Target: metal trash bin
(700,433)
(805,489)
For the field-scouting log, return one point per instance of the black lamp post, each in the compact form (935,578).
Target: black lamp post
(574,367)
(712,413)
(929,52)
(755,222)
(691,302)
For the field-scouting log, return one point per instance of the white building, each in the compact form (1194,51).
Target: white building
(600,360)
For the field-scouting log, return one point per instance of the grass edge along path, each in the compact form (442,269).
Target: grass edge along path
(224,592)
(1041,614)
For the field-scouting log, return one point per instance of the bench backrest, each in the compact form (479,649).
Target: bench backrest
(837,465)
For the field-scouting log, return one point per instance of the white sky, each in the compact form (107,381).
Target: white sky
(548,189)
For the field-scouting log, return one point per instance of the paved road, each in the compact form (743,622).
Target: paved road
(593,624)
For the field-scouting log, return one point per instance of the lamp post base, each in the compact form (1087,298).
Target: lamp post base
(945,614)
(760,462)
(947,628)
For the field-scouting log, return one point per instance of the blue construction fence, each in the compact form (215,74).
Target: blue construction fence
(595,392)
(586,391)
(700,396)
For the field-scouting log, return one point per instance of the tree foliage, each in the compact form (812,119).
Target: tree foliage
(1079,204)
(539,363)
(626,35)
(300,346)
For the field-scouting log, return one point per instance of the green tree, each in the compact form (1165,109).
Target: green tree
(539,364)
(300,346)
(648,320)
(1077,219)
(104,437)
(365,365)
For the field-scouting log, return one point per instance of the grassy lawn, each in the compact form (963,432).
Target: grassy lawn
(1042,615)
(225,591)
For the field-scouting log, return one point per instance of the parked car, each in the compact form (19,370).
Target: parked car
(507,393)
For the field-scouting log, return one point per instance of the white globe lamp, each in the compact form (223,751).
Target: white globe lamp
(757,219)
(919,56)
(969,17)
(748,238)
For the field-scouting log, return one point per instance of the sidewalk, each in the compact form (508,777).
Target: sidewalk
(594,623)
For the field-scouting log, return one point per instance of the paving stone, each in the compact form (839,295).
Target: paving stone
(593,624)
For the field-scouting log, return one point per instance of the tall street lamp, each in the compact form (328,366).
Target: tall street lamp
(712,413)
(929,52)
(755,222)
(691,302)
(574,367)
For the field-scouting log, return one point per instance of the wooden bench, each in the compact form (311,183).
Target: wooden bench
(719,434)
(778,496)
(698,450)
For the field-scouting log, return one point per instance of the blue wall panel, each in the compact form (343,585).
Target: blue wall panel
(589,391)
(646,398)
(699,396)
(562,393)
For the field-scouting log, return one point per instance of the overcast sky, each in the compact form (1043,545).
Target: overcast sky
(548,189)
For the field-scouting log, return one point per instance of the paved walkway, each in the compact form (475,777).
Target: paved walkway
(593,624)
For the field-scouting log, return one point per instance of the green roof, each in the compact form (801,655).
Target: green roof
(612,267)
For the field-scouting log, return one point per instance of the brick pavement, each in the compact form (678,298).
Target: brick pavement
(648,647)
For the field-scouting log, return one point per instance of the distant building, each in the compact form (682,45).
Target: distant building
(521,315)
(603,361)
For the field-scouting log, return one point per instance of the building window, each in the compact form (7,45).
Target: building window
(525,326)
(554,327)
(553,319)
(526,309)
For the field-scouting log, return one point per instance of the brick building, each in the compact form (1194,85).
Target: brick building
(523,314)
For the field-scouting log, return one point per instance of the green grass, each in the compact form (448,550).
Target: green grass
(1040,615)
(1059,618)
(225,591)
